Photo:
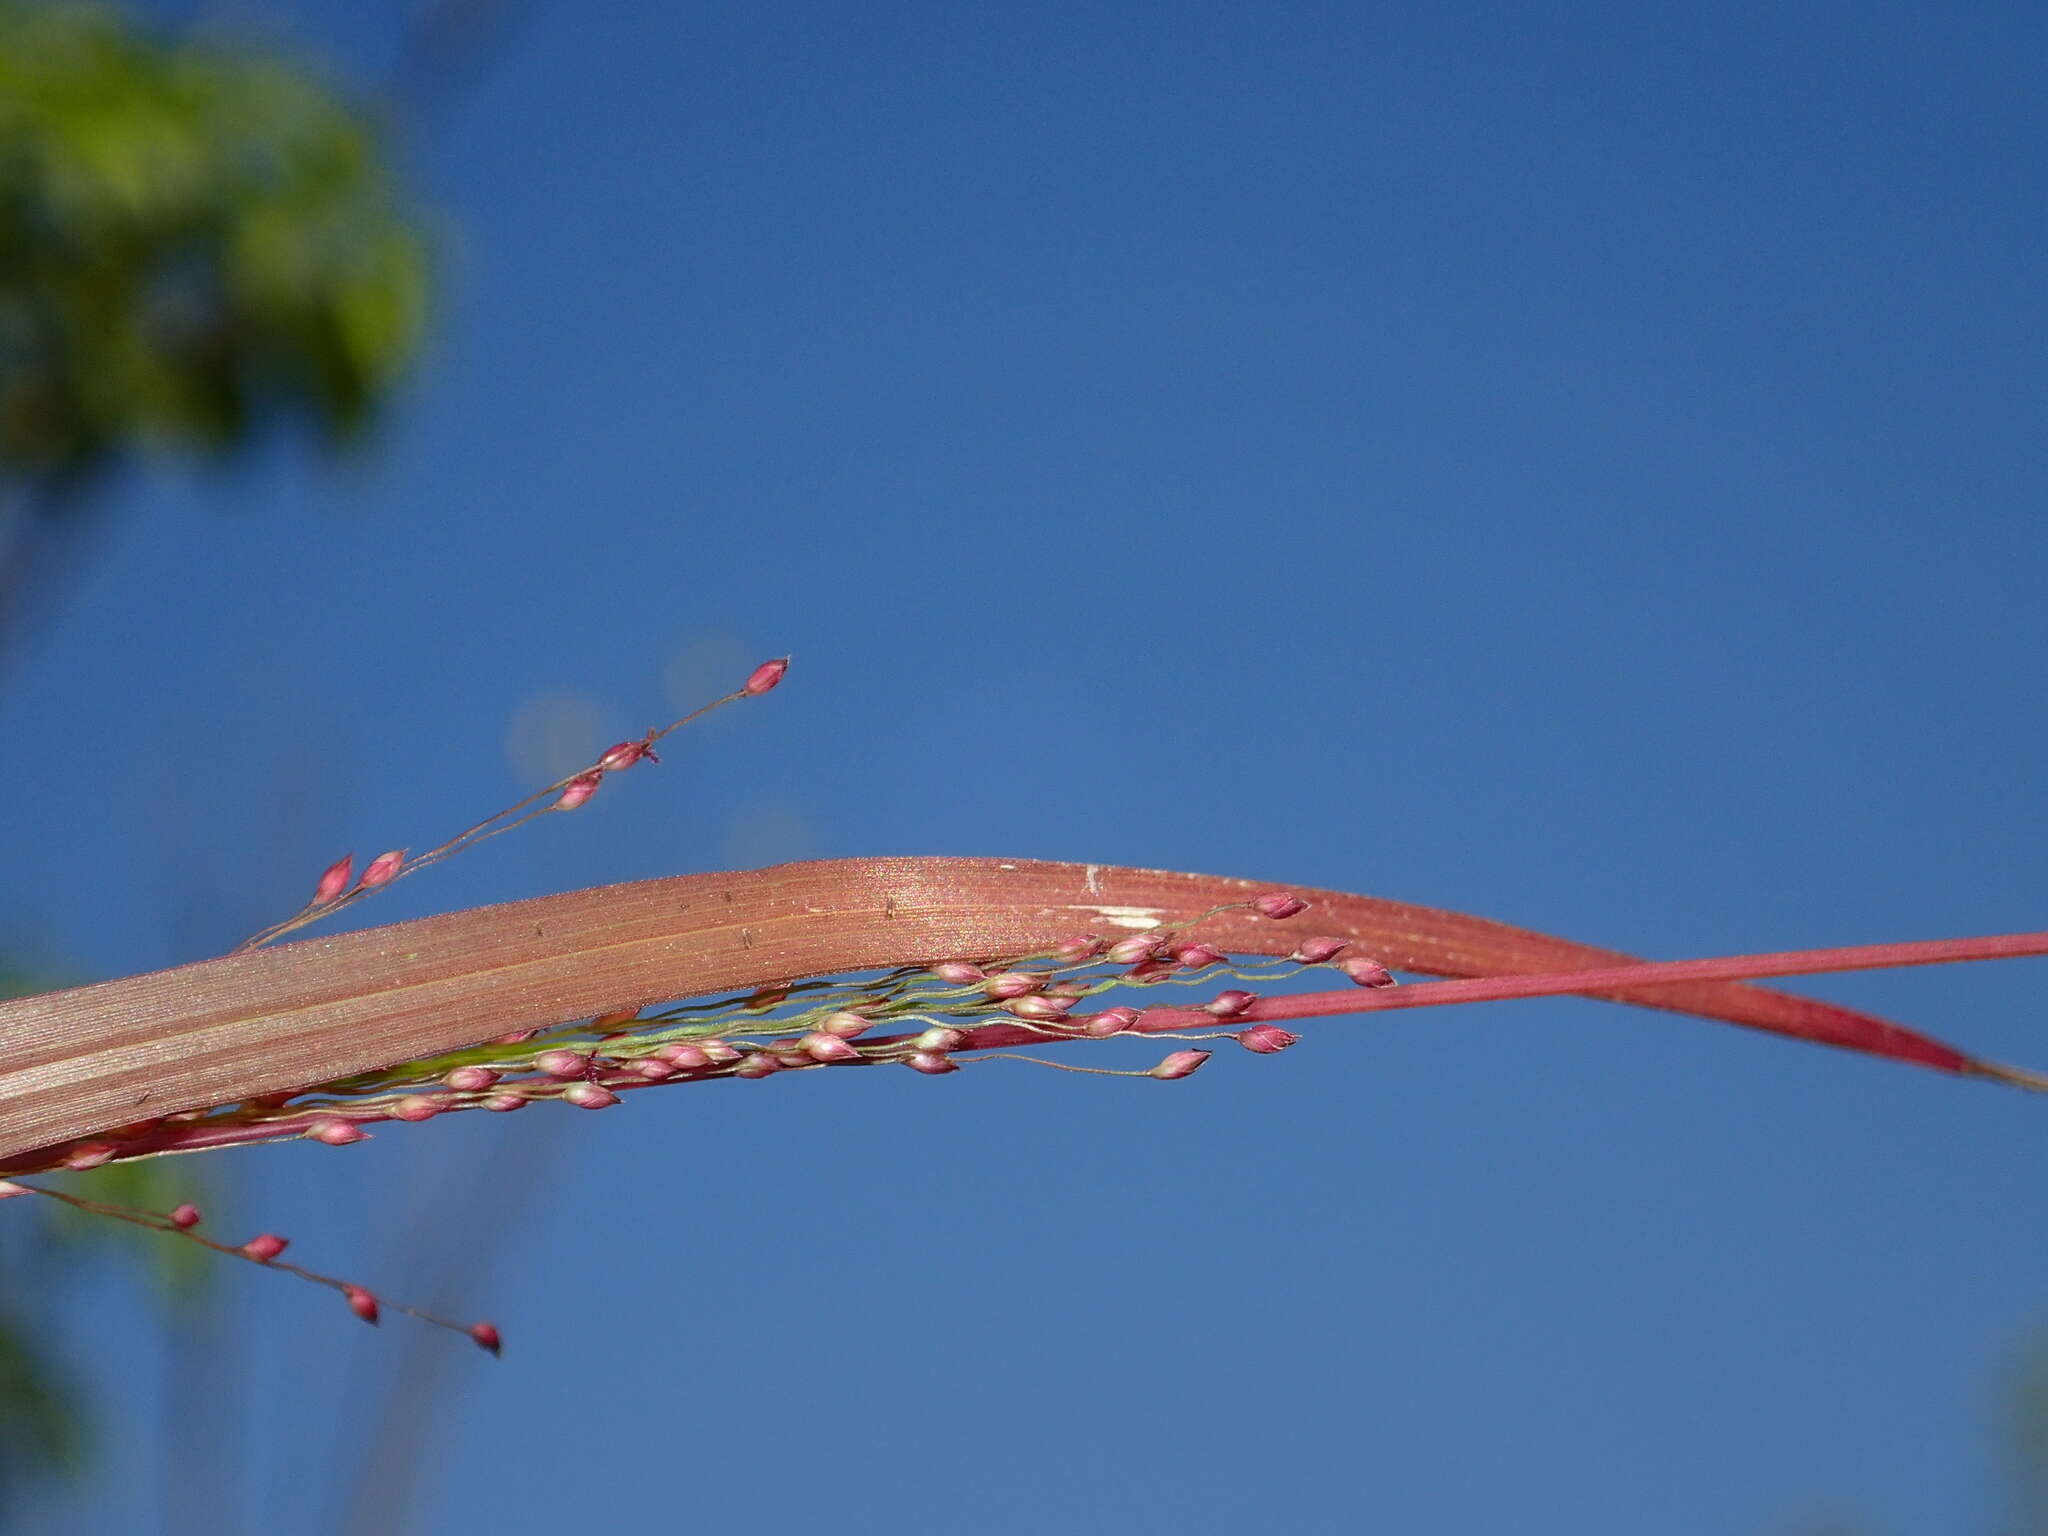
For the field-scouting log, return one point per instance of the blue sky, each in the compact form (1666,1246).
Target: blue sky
(1568,464)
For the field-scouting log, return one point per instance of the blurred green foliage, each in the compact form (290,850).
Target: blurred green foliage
(192,242)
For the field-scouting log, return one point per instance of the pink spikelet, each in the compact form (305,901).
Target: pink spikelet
(765,676)
(1278,904)
(1266,1039)
(578,790)
(1178,1064)
(334,880)
(265,1246)
(486,1336)
(361,1302)
(383,869)
(185,1217)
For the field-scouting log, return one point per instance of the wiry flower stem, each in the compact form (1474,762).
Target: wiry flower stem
(332,892)
(263,1250)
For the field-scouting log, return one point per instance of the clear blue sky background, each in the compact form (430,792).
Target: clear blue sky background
(1581,465)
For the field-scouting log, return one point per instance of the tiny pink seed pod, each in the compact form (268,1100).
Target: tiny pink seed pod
(718,1053)
(1178,1064)
(654,1069)
(505,1100)
(89,1154)
(939,1038)
(1278,904)
(1317,951)
(1008,984)
(486,1336)
(1195,956)
(1139,946)
(517,1037)
(622,755)
(577,790)
(1267,1038)
(757,1064)
(590,1096)
(1082,946)
(470,1079)
(337,1132)
(958,973)
(334,879)
(1111,1021)
(1230,1003)
(185,1217)
(562,1063)
(1144,974)
(615,1021)
(765,676)
(383,869)
(820,1046)
(1044,1010)
(265,1246)
(1366,973)
(361,1302)
(684,1058)
(846,1024)
(416,1107)
(932,1063)
(9,1189)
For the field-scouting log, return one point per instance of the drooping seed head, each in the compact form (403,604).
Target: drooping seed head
(1178,1064)
(820,1046)
(765,676)
(1228,1004)
(1317,951)
(1278,904)
(336,1131)
(1366,973)
(590,1096)
(185,1217)
(334,880)
(578,790)
(562,1063)
(1111,1021)
(1266,1039)
(470,1079)
(361,1302)
(486,1336)
(932,1063)
(958,973)
(383,869)
(1139,946)
(416,1107)
(265,1246)
(939,1038)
